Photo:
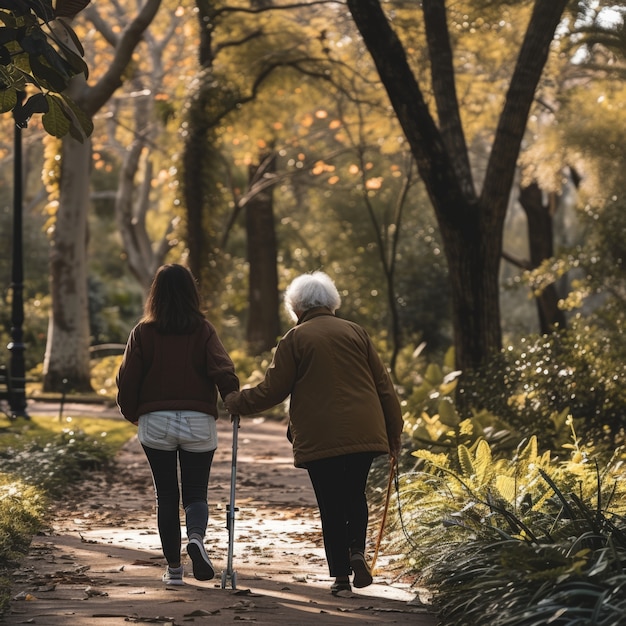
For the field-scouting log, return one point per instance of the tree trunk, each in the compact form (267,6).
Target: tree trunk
(66,362)
(67,346)
(263,320)
(473,259)
(133,201)
(539,215)
(201,164)
(471,226)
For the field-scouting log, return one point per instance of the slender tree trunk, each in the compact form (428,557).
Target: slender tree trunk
(201,162)
(539,216)
(66,362)
(67,347)
(263,321)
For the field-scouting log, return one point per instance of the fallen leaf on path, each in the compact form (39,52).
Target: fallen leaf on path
(142,562)
(24,595)
(243,605)
(246,592)
(159,619)
(202,613)
(91,592)
(300,579)
(113,570)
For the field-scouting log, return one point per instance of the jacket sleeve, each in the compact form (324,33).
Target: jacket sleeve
(220,367)
(129,377)
(394,422)
(276,385)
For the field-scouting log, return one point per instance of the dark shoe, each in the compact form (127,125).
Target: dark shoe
(338,587)
(202,566)
(362,571)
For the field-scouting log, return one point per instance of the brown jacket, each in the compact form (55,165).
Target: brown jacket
(162,372)
(342,399)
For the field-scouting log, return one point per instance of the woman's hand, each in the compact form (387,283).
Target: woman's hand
(230,401)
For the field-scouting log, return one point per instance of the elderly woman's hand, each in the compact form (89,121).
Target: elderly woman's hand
(395,446)
(230,401)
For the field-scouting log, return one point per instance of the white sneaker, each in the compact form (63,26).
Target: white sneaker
(202,566)
(173,576)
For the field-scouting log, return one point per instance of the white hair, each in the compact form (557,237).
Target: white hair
(309,291)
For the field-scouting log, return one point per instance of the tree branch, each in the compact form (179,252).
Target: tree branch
(444,87)
(98,95)
(532,58)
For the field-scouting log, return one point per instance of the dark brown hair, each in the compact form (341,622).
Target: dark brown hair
(173,303)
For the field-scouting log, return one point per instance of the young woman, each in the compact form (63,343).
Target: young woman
(343,412)
(173,367)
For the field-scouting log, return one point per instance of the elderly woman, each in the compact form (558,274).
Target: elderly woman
(343,412)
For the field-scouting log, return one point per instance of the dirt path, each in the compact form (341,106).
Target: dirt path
(100,561)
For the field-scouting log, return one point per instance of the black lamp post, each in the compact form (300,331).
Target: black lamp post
(17,399)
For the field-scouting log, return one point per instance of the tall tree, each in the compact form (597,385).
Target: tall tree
(67,349)
(471,222)
(263,326)
(138,119)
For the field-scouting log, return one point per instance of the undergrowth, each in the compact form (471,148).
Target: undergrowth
(39,459)
(525,539)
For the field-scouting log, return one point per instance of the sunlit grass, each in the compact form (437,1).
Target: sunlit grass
(44,428)
(39,459)
(50,453)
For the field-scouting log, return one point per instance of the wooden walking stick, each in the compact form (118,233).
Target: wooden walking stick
(392,470)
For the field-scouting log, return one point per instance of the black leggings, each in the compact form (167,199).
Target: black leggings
(339,484)
(195,468)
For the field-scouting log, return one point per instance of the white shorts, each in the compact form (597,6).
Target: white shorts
(169,430)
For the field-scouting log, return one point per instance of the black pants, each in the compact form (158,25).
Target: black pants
(194,480)
(339,484)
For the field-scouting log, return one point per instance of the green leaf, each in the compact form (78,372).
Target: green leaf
(506,487)
(84,121)
(8,100)
(437,460)
(433,375)
(55,121)
(483,461)
(66,49)
(529,452)
(47,76)
(447,413)
(465,461)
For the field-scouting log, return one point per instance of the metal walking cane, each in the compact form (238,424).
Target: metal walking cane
(229,574)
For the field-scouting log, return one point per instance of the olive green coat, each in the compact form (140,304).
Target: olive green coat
(342,398)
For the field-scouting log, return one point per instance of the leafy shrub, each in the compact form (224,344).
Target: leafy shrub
(55,463)
(581,370)
(38,459)
(432,420)
(103,373)
(21,511)
(520,541)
